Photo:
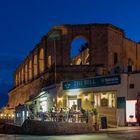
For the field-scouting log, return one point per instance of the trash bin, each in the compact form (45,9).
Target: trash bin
(103,122)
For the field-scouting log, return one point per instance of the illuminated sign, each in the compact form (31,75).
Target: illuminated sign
(131,111)
(92,82)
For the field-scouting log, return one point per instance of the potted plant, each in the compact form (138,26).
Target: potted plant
(95,118)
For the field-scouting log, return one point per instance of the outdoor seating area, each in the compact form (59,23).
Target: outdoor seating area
(62,115)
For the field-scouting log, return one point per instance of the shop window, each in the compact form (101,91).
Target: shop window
(111,99)
(105,99)
(97,100)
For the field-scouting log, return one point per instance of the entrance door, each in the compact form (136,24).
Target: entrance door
(43,105)
(72,103)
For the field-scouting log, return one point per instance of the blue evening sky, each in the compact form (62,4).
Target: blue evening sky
(24,22)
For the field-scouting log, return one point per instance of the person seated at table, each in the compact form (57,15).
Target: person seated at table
(71,114)
(61,115)
(52,113)
(74,106)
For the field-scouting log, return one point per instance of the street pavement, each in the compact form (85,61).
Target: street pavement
(120,133)
(117,129)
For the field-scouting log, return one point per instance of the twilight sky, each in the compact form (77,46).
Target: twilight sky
(24,22)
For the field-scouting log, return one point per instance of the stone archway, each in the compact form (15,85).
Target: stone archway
(41,60)
(26,72)
(35,65)
(97,36)
(30,70)
(79,50)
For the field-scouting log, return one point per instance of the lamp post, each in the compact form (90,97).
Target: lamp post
(54,36)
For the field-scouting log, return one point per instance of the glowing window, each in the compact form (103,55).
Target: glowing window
(49,61)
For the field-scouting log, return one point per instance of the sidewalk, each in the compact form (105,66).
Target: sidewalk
(118,129)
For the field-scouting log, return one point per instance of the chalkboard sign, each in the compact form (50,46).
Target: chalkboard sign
(103,122)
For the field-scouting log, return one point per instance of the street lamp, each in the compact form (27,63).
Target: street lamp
(54,35)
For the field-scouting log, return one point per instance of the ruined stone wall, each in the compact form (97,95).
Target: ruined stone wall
(130,50)
(115,45)
(51,57)
(82,58)
(138,56)
(22,94)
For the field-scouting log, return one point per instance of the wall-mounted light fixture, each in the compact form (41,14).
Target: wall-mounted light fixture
(59,99)
(86,97)
(53,99)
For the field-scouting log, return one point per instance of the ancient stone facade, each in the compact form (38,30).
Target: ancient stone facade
(50,61)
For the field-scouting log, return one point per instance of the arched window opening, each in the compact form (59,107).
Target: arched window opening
(19,75)
(26,73)
(22,75)
(35,65)
(41,60)
(30,70)
(16,80)
(49,61)
(79,51)
(79,61)
(87,59)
